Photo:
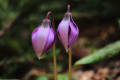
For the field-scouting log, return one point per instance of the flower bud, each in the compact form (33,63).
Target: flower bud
(67,31)
(43,38)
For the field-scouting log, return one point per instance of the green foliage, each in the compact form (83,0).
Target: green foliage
(43,77)
(104,53)
(46,77)
(62,77)
(119,23)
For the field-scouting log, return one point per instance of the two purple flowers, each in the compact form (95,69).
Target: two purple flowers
(43,36)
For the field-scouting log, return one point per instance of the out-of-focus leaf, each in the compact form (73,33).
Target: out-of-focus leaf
(15,45)
(119,23)
(4,4)
(104,53)
(43,77)
(62,77)
(59,77)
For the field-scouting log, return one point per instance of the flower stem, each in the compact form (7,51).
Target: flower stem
(70,64)
(54,60)
(48,15)
(54,47)
(68,8)
(54,52)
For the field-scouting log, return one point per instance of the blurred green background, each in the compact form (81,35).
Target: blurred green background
(98,22)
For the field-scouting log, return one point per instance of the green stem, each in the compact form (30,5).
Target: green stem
(70,64)
(54,48)
(54,60)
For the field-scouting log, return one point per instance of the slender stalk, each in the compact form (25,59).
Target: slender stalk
(68,8)
(70,64)
(54,53)
(54,60)
(54,47)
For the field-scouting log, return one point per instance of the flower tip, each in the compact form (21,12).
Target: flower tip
(68,5)
(40,57)
(68,8)
(48,14)
(66,50)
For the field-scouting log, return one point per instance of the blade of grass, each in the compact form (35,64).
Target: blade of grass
(106,52)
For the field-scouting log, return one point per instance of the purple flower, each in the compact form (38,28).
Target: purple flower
(67,31)
(43,37)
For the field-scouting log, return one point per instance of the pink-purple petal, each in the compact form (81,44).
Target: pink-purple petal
(63,32)
(50,41)
(67,31)
(39,38)
(73,34)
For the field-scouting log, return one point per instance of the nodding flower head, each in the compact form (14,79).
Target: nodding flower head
(43,37)
(67,30)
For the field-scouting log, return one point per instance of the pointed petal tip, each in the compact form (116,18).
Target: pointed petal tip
(66,50)
(40,57)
